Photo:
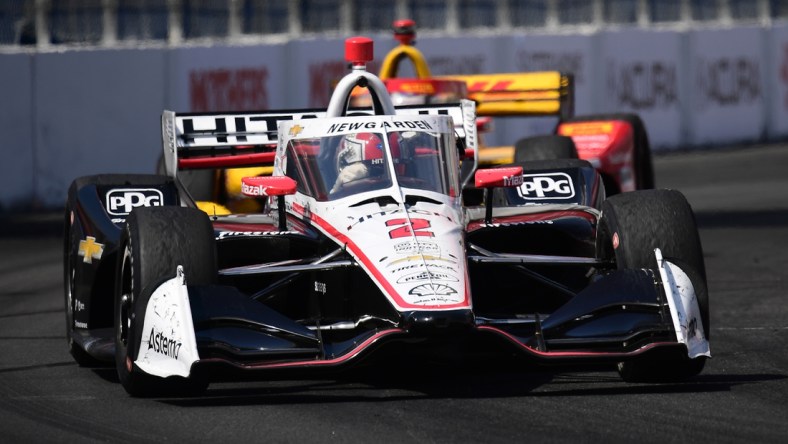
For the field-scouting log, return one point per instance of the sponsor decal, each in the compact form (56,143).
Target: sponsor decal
(265,123)
(586,128)
(160,343)
(296,129)
(78,305)
(427,276)
(320,287)
(120,201)
(78,324)
(417,247)
(644,85)
(520,223)
(226,234)
(513,181)
(432,290)
(422,265)
(422,257)
(546,186)
(417,88)
(252,190)
(355,126)
(728,82)
(118,220)
(243,89)
(398,210)
(89,249)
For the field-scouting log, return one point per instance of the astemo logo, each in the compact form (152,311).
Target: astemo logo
(120,202)
(546,186)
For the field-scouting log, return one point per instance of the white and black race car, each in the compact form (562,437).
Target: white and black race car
(378,229)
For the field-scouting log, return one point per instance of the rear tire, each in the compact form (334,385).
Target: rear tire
(640,222)
(153,243)
(547,147)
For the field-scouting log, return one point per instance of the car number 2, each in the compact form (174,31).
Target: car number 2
(408,228)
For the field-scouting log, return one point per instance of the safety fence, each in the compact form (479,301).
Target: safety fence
(106,23)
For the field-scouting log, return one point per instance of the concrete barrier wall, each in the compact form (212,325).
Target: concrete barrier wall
(16,129)
(73,113)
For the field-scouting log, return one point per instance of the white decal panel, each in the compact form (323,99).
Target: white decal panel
(684,307)
(168,346)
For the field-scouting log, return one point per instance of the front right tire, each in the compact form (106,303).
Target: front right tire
(631,227)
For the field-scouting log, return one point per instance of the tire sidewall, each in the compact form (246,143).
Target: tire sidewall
(153,243)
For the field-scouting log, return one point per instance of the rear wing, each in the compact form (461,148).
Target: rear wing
(228,140)
(547,93)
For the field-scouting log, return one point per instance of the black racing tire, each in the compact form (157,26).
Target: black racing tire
(639,222)
(153,243)
(547,147)
(82,358)
(644,168)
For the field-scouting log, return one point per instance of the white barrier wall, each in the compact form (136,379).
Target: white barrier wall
(727,80)
(73,113)
(95,112)
(227,78)
(777,80)
(16,130)
(641,73)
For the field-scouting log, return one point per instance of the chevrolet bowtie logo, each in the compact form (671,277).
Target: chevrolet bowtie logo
(89,249)
(296,129)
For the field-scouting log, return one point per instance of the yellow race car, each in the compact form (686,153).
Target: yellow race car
(615,144)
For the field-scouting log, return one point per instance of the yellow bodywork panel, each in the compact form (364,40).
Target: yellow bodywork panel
(212,208)
(518,94)
(496,155)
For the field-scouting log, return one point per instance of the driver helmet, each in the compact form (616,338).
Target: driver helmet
(360,156)
(360,147)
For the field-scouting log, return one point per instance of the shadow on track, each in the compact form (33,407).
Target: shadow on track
(456,381)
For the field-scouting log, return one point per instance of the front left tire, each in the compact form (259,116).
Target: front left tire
(153,243)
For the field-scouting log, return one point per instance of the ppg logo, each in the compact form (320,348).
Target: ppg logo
(546,186)
(121,201)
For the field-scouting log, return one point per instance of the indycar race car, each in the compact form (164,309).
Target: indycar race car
(367,242)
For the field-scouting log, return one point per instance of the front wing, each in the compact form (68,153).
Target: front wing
(625,314)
